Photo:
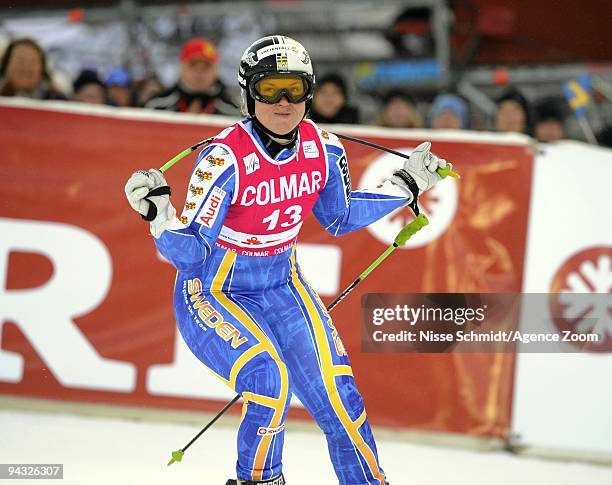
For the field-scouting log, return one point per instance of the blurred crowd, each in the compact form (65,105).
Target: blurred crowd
(24,72)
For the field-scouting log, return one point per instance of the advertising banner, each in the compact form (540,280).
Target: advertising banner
(86,301)
(563,400)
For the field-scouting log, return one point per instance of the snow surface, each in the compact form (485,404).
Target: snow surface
(105,451)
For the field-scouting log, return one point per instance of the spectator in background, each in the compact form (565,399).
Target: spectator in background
(119,87)
(549,124)
(399,111)
(145,89)
(513,113)
(604,137)
(24,72)
(449,111)
(198,89)
(88,88)
(330,104)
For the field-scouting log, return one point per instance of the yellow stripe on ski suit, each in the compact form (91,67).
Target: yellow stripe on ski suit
(276,403)
(329,373)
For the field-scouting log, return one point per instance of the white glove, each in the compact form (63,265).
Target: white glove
(136,190)
(422,166)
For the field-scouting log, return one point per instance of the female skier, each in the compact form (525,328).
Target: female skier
(242,304)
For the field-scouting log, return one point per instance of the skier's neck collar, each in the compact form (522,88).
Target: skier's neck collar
(273,142)
(286,139)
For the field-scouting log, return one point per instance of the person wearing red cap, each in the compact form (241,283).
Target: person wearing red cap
(198,89)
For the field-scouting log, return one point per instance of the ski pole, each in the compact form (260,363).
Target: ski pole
(442,172)
(184,153)
(178,454)
(401,238)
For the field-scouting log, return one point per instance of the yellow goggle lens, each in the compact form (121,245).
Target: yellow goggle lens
(271,87)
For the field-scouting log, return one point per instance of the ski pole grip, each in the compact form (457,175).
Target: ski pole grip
(411,229)
(171,162)
(184,153)
(447,171)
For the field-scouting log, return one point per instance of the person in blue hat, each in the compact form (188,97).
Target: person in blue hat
(119,87)
(449,111)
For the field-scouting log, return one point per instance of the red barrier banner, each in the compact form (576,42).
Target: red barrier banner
(86,302)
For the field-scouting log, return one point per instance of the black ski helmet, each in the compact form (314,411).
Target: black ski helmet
(275,54)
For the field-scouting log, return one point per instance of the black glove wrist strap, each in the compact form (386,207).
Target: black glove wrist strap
(152,212)
(412,186)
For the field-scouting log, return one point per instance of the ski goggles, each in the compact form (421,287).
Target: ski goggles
(271,89)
